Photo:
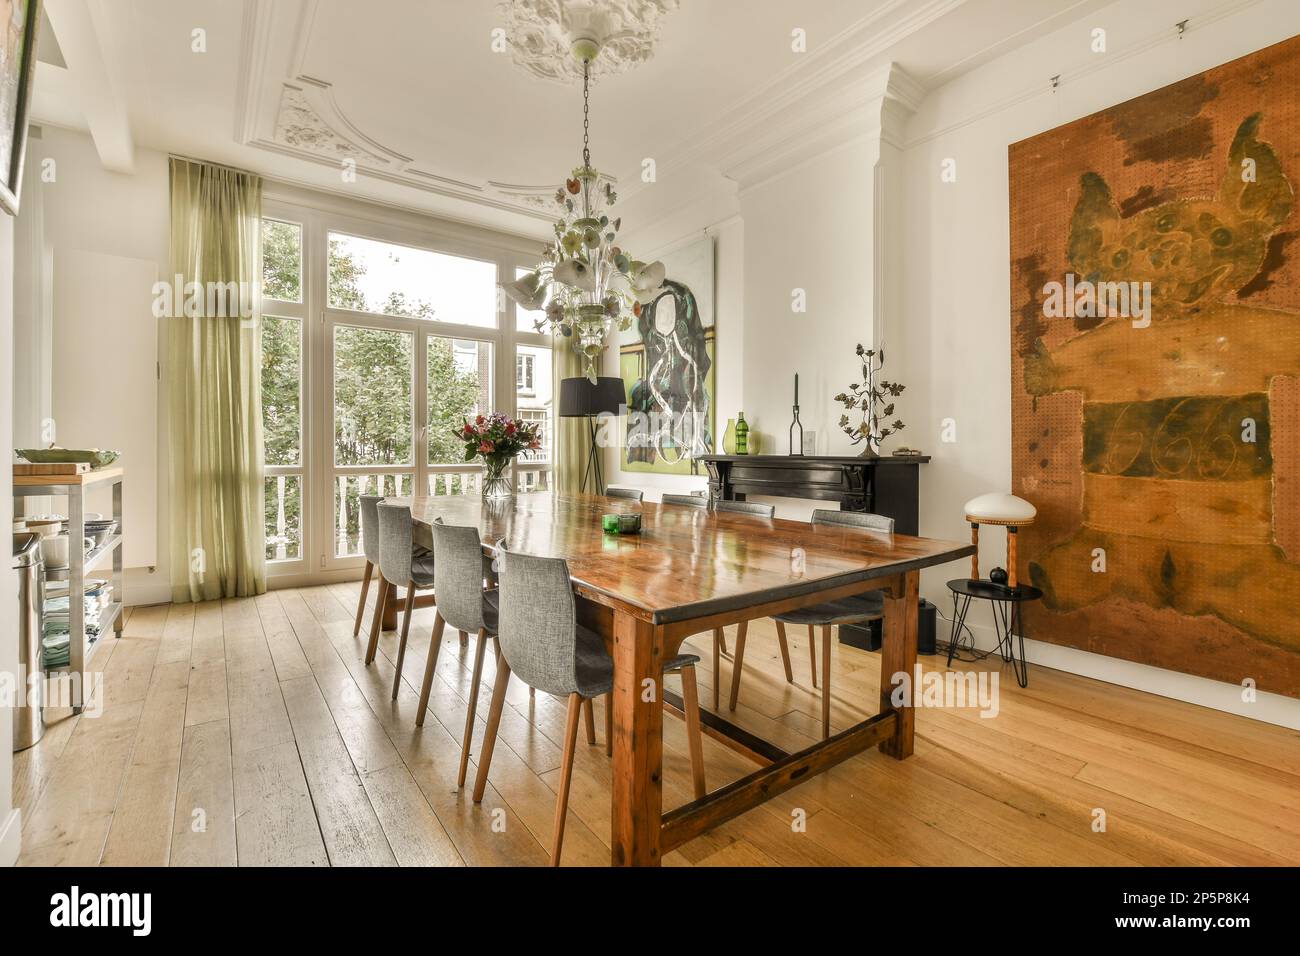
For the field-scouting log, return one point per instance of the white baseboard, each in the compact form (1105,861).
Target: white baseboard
(1217,695)
(140,594)
(11,837)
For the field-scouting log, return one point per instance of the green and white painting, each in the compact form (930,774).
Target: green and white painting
(667,362)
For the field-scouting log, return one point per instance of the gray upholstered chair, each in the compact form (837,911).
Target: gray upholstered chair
(465,606)
(745,508)
(851,610)
(401,561)
(370,548)
(719,633)
(634,494)
(543,644)
(690,501)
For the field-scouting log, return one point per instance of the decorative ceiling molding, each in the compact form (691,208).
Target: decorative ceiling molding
(304,121)
(829,97)
(541,34)
(299,125)
(537,197)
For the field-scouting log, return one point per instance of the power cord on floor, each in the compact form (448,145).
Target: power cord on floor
(964,643)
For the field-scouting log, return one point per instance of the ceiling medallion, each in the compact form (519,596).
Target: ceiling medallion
(543,33)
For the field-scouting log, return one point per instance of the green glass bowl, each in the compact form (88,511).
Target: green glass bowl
(96,457)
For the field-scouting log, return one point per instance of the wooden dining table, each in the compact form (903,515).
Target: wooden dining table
(688,571)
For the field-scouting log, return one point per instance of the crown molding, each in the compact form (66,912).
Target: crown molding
(875,108)
(1066,77)
(829,80)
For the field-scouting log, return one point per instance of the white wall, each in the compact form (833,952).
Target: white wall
(809,229)
(87,209)
(33,316)
(956,245)
(10,830)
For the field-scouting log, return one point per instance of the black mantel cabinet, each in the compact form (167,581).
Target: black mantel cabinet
(887,485)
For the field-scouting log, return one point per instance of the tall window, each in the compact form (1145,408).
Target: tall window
(378,342)
(460,385)
(389,279)
(282,389)
(533,402)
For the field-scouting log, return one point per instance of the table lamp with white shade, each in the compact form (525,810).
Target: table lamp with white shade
(998,508)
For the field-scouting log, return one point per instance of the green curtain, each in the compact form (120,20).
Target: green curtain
(572,435)
(217,533)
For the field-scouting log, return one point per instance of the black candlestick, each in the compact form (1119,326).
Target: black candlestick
(796,426)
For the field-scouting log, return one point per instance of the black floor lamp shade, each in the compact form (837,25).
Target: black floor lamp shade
(580,399)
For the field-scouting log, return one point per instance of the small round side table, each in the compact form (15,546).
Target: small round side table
(1007,620)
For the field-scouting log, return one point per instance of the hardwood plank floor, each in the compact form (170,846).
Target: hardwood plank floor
(250,732)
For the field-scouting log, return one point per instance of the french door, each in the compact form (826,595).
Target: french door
(395,392)
(378,340)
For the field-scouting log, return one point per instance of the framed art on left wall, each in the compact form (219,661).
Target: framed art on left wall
(18,20)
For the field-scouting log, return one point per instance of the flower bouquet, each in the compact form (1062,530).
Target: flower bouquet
(498,439)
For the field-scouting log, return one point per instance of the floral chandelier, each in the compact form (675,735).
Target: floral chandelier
(586,282)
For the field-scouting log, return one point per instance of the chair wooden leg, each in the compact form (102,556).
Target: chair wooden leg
(381,600)
(361,604)
(464,639)
(473,707)
(431,665)
(738,663)
(609,724)
(812,654)
(406,629)
(720,633)
(826,681)
(490,735)
(785,651)
(694,736)
(589,718)
(717,672)
(576,703)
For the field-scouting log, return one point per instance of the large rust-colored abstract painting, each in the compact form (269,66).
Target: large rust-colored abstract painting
(1159,437)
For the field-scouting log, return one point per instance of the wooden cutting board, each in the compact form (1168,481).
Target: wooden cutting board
(62,468)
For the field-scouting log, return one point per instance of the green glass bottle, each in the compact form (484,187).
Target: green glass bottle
(742,435)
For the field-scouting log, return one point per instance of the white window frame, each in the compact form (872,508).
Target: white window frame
(524,363)
(319,218)
(284,308)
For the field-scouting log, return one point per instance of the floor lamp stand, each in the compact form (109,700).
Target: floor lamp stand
(593,462)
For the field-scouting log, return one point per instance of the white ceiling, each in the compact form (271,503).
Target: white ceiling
(435,120)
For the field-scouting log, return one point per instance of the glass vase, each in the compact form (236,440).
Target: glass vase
(729,438)
(496,485)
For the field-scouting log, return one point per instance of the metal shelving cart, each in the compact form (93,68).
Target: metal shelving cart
(74,489)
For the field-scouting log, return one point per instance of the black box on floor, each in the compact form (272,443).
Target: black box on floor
(867,636)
